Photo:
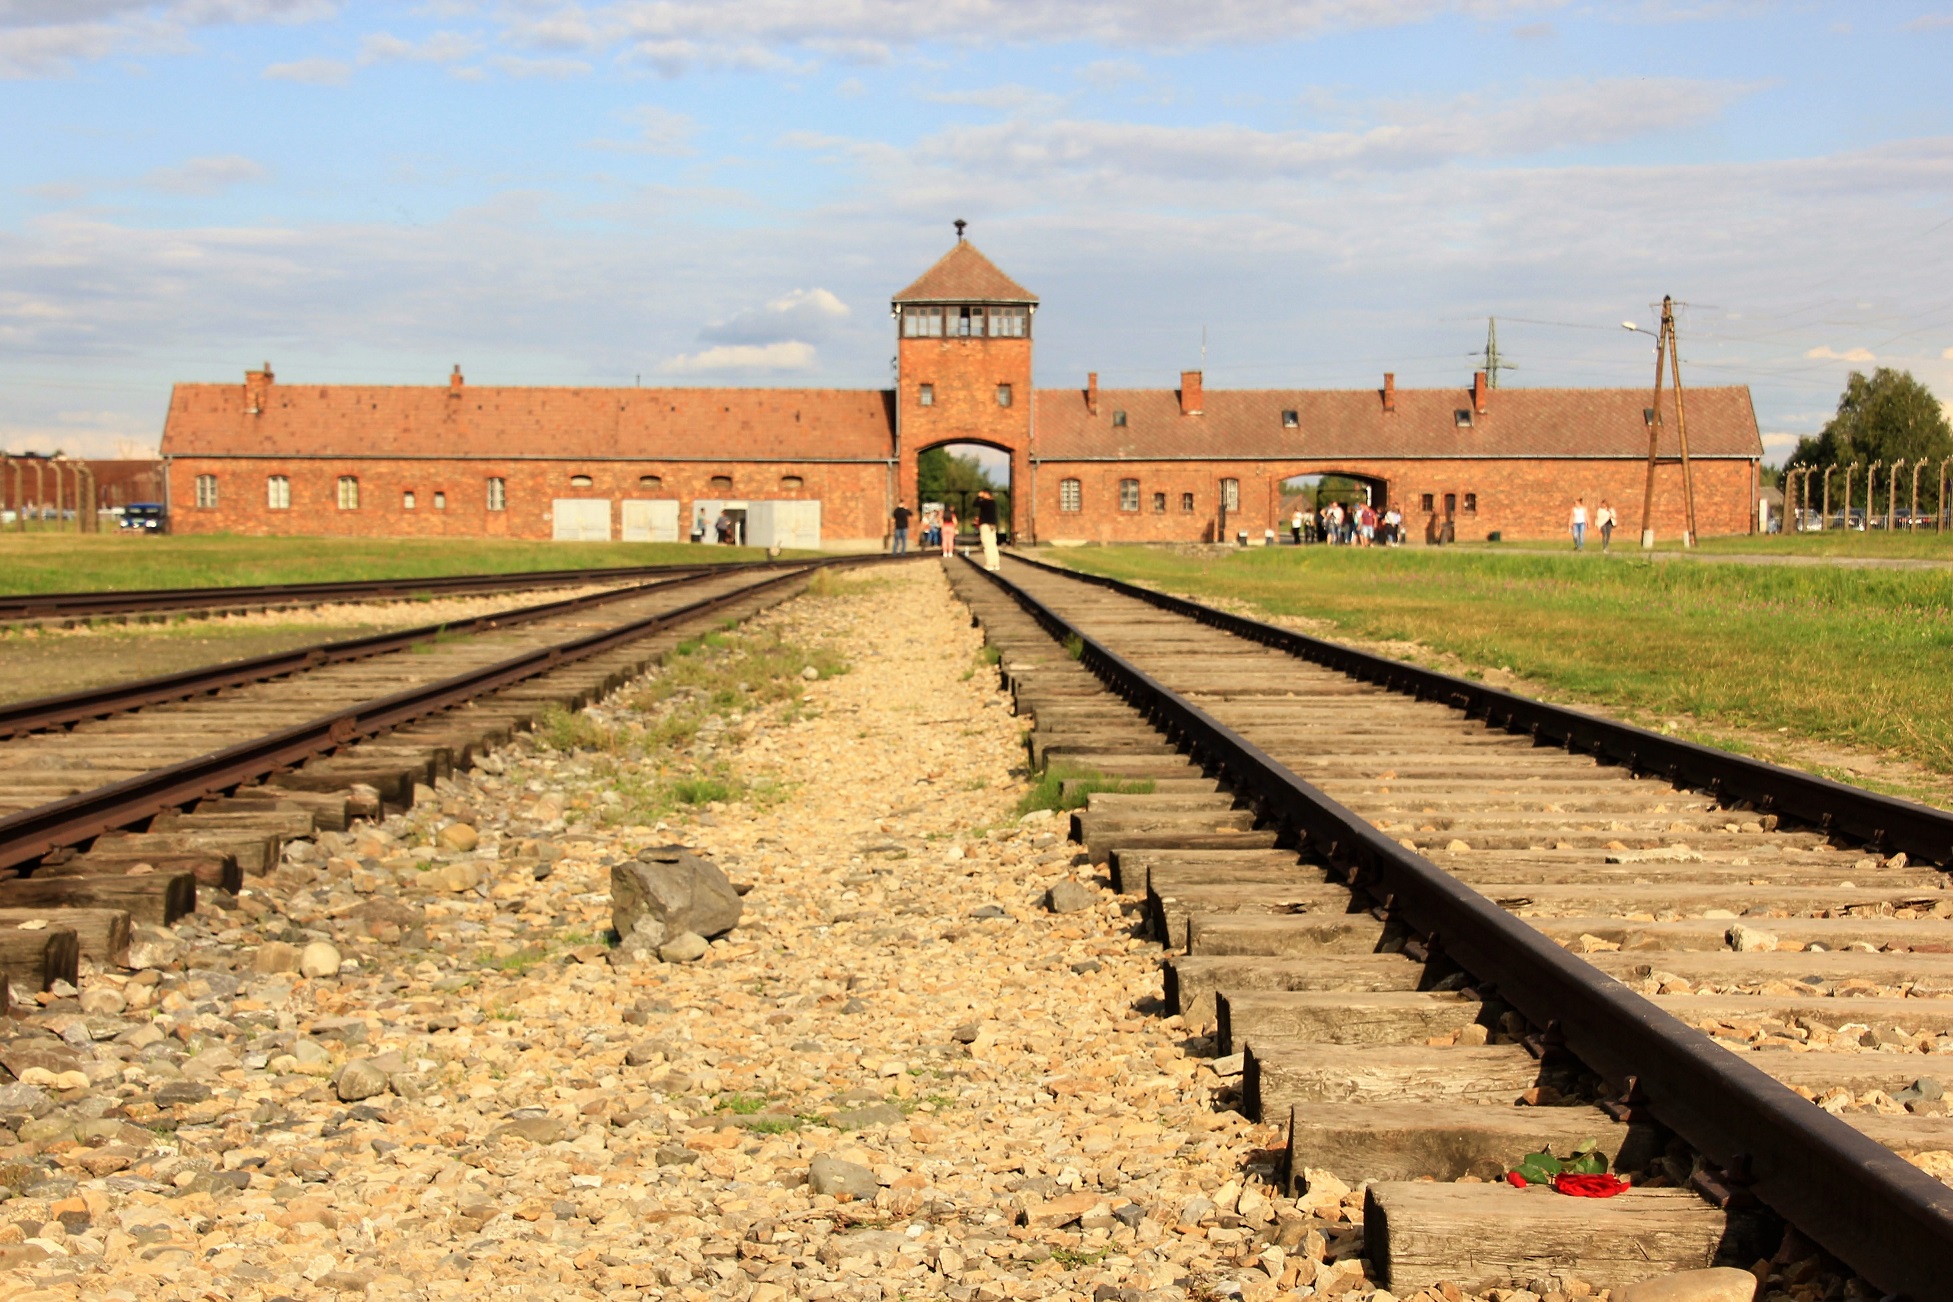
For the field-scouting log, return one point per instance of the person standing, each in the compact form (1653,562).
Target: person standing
(1605,520)
(901,515)
(986,513)
(1578,523)
(1295,528)
(950,523)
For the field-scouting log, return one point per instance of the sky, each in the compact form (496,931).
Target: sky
(1286,193)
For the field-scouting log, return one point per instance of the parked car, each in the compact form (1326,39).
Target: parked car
(145,517)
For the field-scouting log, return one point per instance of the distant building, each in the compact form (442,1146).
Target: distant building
(1181,464)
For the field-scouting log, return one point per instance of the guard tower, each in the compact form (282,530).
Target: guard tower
(963,367)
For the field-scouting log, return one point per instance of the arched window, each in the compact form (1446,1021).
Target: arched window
(792,483)
(1071,495)
(348,492)
(650,481)
(1129,495)
(278,493)
(722,483)
(498,494)
(580,481)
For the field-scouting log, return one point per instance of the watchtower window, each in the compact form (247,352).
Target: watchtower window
(925,395)
(1003,395)
(1009,322)
(1118,420)
(922,322)
(1291,420)
(969,323)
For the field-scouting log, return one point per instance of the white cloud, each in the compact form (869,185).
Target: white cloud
(206,175)
(1110,74)
(1826,353)
(787,355)
(311,72)
(659,131)
(556,69)
(46,38)
(441,47)
(1946,354)
(796,315)
(1008,98)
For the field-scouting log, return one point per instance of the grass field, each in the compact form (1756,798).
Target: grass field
(1833,545)
(1857,657)
(113,562)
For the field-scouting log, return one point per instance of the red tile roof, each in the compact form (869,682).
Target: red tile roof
(421,421)
(964,275)
(1248,424)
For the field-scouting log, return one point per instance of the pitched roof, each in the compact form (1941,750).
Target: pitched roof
(964,275)
(346,420)
(1249,424)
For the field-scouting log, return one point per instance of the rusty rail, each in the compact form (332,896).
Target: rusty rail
(1884,1217)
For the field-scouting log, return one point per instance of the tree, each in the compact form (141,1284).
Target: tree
(1888,417)
(954,478)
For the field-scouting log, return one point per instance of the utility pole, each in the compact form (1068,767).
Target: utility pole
(1668,355)
(1494,360)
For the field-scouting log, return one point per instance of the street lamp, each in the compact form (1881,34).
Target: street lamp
(1668,354)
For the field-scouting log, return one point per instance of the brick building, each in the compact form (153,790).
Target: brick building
(1086,465)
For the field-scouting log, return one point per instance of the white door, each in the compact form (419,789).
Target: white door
(651,520)
(580,519)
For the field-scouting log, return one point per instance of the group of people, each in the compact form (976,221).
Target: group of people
(1604,521)
(1357,524)
(940,530)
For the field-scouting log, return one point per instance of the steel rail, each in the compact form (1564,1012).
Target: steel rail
(42,713)
(1882,1216)
(1883,822)
(54,604)
(75,819)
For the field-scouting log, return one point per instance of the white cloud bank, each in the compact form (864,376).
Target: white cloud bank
(787,355)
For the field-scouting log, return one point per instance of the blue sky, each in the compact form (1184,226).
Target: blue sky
(728,191)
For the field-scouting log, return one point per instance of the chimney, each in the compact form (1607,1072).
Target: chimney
(1190,396)
(1390,391)
(1092,393)
(1478,392)
(257,390)
(454,381)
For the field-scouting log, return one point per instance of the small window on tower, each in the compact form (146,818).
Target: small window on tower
(925,395)
(1291,419)
(1118,420)
(1003,395)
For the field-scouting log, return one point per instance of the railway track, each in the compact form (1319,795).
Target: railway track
(1443,927)
(79,607)
(117,806)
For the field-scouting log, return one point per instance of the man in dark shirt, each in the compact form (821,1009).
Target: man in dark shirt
(902,514)
(986,513)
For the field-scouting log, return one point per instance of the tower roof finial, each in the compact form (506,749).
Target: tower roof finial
(960,224)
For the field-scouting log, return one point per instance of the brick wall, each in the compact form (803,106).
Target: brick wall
(850,495)
(1520,499)
(964,375)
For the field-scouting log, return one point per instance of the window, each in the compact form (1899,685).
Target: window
(1003,395)
(1186,502)
(1463,417)
(407,500)
(348,493)
(1118,420)
(922,322)
(1450,503)
(206,488)
(278,493)
(1471,503)
(1426,503)
(1231,494)
(1291,419)
(1009,322)
(1071,495)
(722,483)
(650,481)
(579,481)
(1129,495)
(498,494)
(969,323)
(1159,504)
(440,501)
(792,483)
(925,395)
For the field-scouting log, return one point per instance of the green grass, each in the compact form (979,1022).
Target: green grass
(110,562)
(1049,793)
(1852,656)
(1919,544)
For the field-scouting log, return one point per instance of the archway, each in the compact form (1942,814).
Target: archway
(951,473)
(1314,490)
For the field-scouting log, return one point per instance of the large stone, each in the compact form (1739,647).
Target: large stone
(685,947)
(319,959)
(1069,896)
(831,1175)
(359,1079)
(1723,1284)
(275,956)
(665,892)
(459,837)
